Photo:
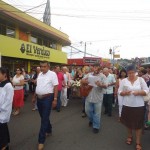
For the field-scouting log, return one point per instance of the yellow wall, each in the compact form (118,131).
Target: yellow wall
(20,49)
(59,47)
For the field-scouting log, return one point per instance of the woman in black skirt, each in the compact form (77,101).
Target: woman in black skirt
(133,89)
(6,98)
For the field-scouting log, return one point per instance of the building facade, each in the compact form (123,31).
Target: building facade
(85,61)
(24,40)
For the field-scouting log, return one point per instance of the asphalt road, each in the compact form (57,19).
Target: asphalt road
(70,131)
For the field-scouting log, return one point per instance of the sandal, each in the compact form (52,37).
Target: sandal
(138,147)
(129,140)
(16,113)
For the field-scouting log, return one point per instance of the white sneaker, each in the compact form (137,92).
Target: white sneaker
(65,104)
(113,105)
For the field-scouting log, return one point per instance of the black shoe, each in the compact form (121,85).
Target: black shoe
(95,130)
(109,115)
(58,110)
(105,112)
(90,124)
(83,115)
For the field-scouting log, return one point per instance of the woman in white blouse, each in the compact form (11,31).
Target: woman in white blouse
(18,83)
(133,89)
(6,98)
(122,75)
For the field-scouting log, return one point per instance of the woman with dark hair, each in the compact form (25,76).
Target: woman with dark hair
(6,98)
(18,83)
(132,89)
(122,75)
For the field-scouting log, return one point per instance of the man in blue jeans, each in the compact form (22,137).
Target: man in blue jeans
(93,103)
(46,91)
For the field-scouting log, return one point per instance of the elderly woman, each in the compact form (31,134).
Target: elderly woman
(133,89)
(93,104)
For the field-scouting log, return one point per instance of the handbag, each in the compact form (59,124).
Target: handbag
(85,90)
(147,97)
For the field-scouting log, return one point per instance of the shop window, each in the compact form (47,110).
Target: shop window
(50,45)
(40,41)
(2,29)
(33,39)
(53,46)
(45,43)
(10,32)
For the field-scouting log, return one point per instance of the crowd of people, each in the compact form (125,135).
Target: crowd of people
(51,88)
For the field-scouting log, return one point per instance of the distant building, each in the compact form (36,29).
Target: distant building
(85,61)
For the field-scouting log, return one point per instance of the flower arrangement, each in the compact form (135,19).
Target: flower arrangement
(76,84)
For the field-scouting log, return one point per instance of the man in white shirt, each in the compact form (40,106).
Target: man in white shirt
(46,91)
(108,95)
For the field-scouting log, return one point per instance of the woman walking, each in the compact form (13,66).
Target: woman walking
(122,75)
(18,83)
(133,89)
(6,98)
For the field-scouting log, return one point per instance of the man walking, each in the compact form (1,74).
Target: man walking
(46,91)
(93,103)
(60,77)
(108,95)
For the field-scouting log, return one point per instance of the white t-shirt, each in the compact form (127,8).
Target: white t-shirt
(46,83)
(16,80)
(6,98)
(110,79)
(131,100)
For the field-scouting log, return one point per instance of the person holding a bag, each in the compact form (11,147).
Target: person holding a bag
(93,103)
(84,90)
(132,89)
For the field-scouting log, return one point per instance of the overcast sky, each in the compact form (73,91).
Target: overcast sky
(100,23)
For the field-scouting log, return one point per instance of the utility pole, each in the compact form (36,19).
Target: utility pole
(71,53)
(113,53)
(47,14)
(85,49)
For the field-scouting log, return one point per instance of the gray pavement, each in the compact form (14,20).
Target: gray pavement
(70,131)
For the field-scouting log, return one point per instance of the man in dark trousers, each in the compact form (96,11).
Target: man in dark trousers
(46,91)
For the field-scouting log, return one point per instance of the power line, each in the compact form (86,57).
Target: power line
(132,18)
(82,51)
(34,7)
(89,10)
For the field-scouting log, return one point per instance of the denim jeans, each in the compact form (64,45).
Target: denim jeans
(58,101)
(93,111)
(44,107)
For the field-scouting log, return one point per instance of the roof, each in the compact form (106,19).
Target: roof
(145,64)
(34,24)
